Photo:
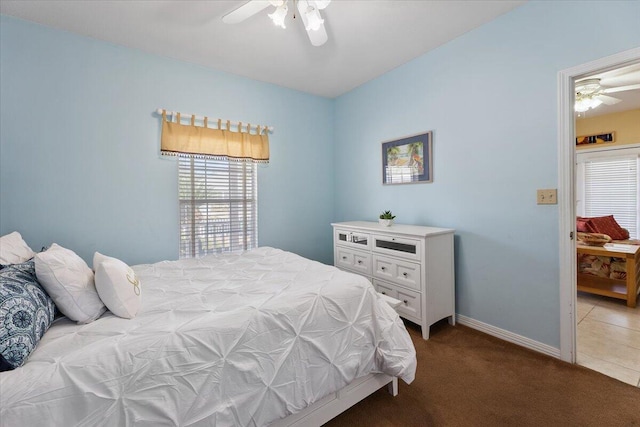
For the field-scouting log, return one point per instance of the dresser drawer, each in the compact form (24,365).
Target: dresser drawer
(410,307)
(355,239)
(405,273)
(356,261)
(385,288)
(397,246)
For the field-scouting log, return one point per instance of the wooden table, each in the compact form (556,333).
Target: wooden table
(616,288)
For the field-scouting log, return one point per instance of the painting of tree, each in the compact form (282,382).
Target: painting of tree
(407,160)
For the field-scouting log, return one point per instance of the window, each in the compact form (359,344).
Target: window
(609,186)
(218,206)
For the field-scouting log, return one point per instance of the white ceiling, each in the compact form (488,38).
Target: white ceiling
(366,38)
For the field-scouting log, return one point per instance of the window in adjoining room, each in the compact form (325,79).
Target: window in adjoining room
(218,205)
(608,184)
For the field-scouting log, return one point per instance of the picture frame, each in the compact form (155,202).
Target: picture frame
(601,138)
(408,160)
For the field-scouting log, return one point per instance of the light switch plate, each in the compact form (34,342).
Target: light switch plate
(548,197)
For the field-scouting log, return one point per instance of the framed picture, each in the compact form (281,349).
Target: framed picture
(408,160)
(596,139)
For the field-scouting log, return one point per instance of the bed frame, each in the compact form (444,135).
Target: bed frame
(616,288)
(336,403)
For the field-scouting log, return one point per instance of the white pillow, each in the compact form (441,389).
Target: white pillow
(117,285)
(69,282)
(14,250)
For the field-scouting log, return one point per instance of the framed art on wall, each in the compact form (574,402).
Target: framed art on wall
(408,160)
(596,139)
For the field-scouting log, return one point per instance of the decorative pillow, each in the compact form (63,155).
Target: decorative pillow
(14,250)
(69,282)
(26,312)
(609,226)
(583,225)
(117,285)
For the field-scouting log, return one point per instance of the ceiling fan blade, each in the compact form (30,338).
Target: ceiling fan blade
(245,11)
(317,37)
(621,88)
(625,76)
(608,100)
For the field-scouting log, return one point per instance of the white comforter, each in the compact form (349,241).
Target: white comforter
(231,340)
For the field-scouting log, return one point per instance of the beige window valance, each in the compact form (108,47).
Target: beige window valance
(217,143)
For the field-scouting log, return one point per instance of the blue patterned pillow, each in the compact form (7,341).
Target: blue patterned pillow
(26,312)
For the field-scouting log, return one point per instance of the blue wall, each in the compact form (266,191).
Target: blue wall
(490,99)
(79,160)
(79,153)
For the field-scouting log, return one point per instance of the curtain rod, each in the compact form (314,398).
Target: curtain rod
(196,117)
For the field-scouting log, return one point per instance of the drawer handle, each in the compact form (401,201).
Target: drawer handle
(344,257)
(383,293)
(383,268)
(406,302)
(404,274)
(359,261)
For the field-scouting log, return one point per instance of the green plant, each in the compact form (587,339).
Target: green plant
(387,215)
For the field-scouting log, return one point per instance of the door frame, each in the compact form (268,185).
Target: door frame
(566,190)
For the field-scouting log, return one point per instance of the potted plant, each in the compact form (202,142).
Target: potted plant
(386,218)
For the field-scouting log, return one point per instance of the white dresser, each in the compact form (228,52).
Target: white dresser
(408,262)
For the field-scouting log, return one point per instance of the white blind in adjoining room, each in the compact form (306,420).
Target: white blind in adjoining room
(218,206)
(611,188)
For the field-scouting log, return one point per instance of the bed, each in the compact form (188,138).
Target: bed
(229,340)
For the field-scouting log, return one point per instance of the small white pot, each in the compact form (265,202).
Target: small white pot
(385,222)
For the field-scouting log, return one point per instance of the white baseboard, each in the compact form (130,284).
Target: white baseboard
(508,336)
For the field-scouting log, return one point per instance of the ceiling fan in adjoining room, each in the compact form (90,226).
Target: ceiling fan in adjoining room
(590,93)
(309,12)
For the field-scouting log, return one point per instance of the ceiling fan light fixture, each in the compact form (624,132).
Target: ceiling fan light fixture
(584,103)
(309,13)
(595,102)
(279,15)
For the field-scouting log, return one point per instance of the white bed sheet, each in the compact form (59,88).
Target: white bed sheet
(229,340)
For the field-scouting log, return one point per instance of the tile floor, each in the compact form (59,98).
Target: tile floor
(608,337)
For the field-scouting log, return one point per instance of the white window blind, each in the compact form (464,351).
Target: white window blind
(218,206)
(611,188)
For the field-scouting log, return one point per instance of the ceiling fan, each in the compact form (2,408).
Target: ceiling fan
(309,12)
(590,94)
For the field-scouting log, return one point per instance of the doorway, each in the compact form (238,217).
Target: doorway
(570,311)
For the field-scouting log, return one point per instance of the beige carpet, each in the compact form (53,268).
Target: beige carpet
(467,378)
